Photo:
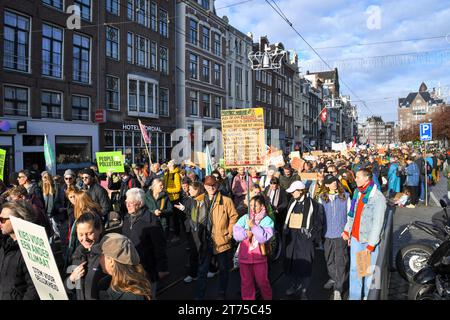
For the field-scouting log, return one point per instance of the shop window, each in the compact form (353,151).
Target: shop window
(73,152)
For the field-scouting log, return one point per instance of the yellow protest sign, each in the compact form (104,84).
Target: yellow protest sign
(2,162)
(110,162)
(243,137)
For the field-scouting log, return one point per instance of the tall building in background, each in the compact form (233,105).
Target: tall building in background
(375,131)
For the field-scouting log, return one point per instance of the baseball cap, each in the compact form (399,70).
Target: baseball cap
(120,249)
(296,185)
(329,179)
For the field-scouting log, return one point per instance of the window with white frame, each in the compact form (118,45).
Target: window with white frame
(142,12)
(217,106)
(112,93)
(142,51)
(130,47)
(164,60)
(238,79)
(85,8)
(194,103)
(130,9)
(81,106)
(51,104)
(246,85)
(163,19)
(217,74)
(153,57)
(142,96)
(81,58)
(58,4)
(206,70)
(206,105)
(258,93)
(229,89)
(205,4)
(263,95)
(217,44)
(15,101)
(193,66)
(164,102)
(269,97)
(112,42)
(52,51)
(193,31)
(205,38)
(258,75)
(112,6)
(16,42)
(154,16)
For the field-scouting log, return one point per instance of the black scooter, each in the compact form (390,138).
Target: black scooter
(433,281)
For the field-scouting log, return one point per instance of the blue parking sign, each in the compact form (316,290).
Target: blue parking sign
(425,132)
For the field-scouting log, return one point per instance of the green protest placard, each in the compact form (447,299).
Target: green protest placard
(2,162)
(110,162)
(39,259)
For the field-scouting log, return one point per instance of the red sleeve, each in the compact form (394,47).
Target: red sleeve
(370,248)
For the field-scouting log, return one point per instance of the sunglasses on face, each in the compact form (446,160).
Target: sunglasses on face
(3,220)
(85,178)
(70,178)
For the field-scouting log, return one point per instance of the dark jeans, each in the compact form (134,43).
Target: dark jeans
(224,267)
(414,194)
(336,255)
(176,219)
(193,256)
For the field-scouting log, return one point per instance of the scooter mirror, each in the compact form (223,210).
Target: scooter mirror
(443,203)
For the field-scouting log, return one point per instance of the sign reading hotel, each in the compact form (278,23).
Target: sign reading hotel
(110,162)
(243,137)
(39,259)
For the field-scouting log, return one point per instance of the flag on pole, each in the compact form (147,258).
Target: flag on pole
(48,155)
(323,114)
(354,141)
(144,133)
(209,167)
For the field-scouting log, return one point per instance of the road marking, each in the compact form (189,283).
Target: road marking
(434,198)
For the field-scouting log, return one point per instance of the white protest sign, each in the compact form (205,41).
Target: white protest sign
(39,259)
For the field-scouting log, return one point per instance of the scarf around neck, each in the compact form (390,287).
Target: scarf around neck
(366,191)
(256,217)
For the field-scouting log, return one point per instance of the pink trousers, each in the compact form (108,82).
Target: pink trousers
(255,272)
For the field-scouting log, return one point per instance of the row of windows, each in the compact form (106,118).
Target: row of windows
(205,41)
(265,96)
(205,70)
(264,77)
(144,52)
(17,100)
(206,107)
(239,76)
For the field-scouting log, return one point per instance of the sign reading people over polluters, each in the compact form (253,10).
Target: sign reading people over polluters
(110,162)
(243,137)
(2,162)
(39,259)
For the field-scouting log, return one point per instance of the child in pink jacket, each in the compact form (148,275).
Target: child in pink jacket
(253,231)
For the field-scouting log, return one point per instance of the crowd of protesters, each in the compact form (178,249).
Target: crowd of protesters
(255,217)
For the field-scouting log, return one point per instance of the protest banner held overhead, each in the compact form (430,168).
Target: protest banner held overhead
(110,162)
(39,259)
(243,137)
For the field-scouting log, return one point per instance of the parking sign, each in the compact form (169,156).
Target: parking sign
(425,132)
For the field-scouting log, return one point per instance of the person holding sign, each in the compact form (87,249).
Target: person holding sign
(15,280)
(365,221)
(302,231)
(85,261)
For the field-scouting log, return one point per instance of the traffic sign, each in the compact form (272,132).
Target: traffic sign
(425,132)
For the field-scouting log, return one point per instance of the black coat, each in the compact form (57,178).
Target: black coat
(88,288)
(15,280)
(145,231)
(100,195)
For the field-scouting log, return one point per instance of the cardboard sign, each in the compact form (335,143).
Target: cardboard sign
(297,164)
(316,153)
(363,263)
(309,176)
(200,159)
(243,137)
(39,259)
(295,221)
(110,162)
(310,158)
(276,159)
(2,162)
(294,154)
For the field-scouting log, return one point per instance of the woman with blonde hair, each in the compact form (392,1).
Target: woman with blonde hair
(120,259)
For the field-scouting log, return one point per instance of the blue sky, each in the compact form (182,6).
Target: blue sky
(402,65)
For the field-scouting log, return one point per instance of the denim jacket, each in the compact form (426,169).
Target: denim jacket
(372,219)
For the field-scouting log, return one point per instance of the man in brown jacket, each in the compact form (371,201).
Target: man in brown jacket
(213,234)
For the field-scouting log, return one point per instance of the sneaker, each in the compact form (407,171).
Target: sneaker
(411,206)
(330,283)
(293,289)
(175,239)
(337,295)
(211,274)
(303,295)
(189,279)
